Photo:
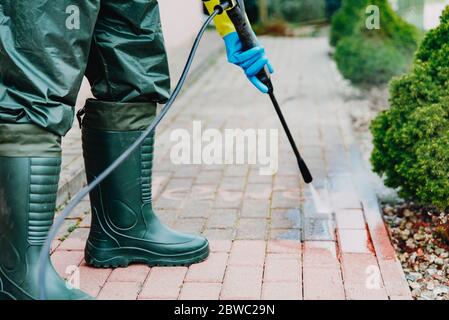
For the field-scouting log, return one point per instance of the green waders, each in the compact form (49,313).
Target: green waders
(46,47)
(124,227)
(28,187)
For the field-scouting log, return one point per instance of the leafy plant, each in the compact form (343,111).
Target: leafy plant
(345,19)
(411,139)
(372,62)
(373,56)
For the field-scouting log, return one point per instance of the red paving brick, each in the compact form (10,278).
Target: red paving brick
(282,291)
(211,270)
(252,229)
(283,268)
(321,254)
(284,246)
(76,240)
(200,291)
(323,284)
(362,277)
(282,183)
(62,259)
(358,291)
(133,273)
(381,242)
(119,291)
(394,278)
(220,245)
(242,282)
(350,219)
(163,283)
(286,199)
(93,279)
(73,244)
(255,209)
(247,253)
(354,241)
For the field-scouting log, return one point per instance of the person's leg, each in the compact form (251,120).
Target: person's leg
(43,52)
(43,49)
(129,73)
(128,62)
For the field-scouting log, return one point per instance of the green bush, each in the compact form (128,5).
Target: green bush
(373,56)
(331,7)
(301,11)
(411,139)
(345,19)
(372,62)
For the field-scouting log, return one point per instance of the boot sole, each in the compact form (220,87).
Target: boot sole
(14,290)
(5,296)
(123,257)
(11,291)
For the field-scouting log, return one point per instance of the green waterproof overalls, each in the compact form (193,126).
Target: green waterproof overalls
(46,47)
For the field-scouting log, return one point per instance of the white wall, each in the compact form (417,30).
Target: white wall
(432,13)
(181,20)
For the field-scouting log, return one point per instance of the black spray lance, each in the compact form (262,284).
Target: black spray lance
(246,34)
(238,17)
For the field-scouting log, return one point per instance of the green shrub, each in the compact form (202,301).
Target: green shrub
(411,139)
(301,11)
(372,62)
(331,7)
(345,19)
(373,56)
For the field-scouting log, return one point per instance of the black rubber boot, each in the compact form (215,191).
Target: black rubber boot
(28,187)
(124,226)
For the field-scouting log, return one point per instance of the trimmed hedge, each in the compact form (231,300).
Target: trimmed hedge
(345,19)
(369,62)
(411,139)
(372,57)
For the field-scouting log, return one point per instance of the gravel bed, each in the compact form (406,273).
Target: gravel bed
(421,240)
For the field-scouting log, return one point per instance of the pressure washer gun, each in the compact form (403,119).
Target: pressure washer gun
(237,14)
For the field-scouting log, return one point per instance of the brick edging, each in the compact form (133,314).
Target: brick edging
(392,273)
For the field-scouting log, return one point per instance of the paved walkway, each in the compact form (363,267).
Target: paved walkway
(268,241)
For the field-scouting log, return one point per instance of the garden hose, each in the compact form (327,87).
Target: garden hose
(43,259)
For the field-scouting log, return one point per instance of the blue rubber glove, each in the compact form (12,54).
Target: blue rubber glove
(251,61)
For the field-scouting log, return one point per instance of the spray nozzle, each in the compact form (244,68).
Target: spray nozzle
(224,5)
